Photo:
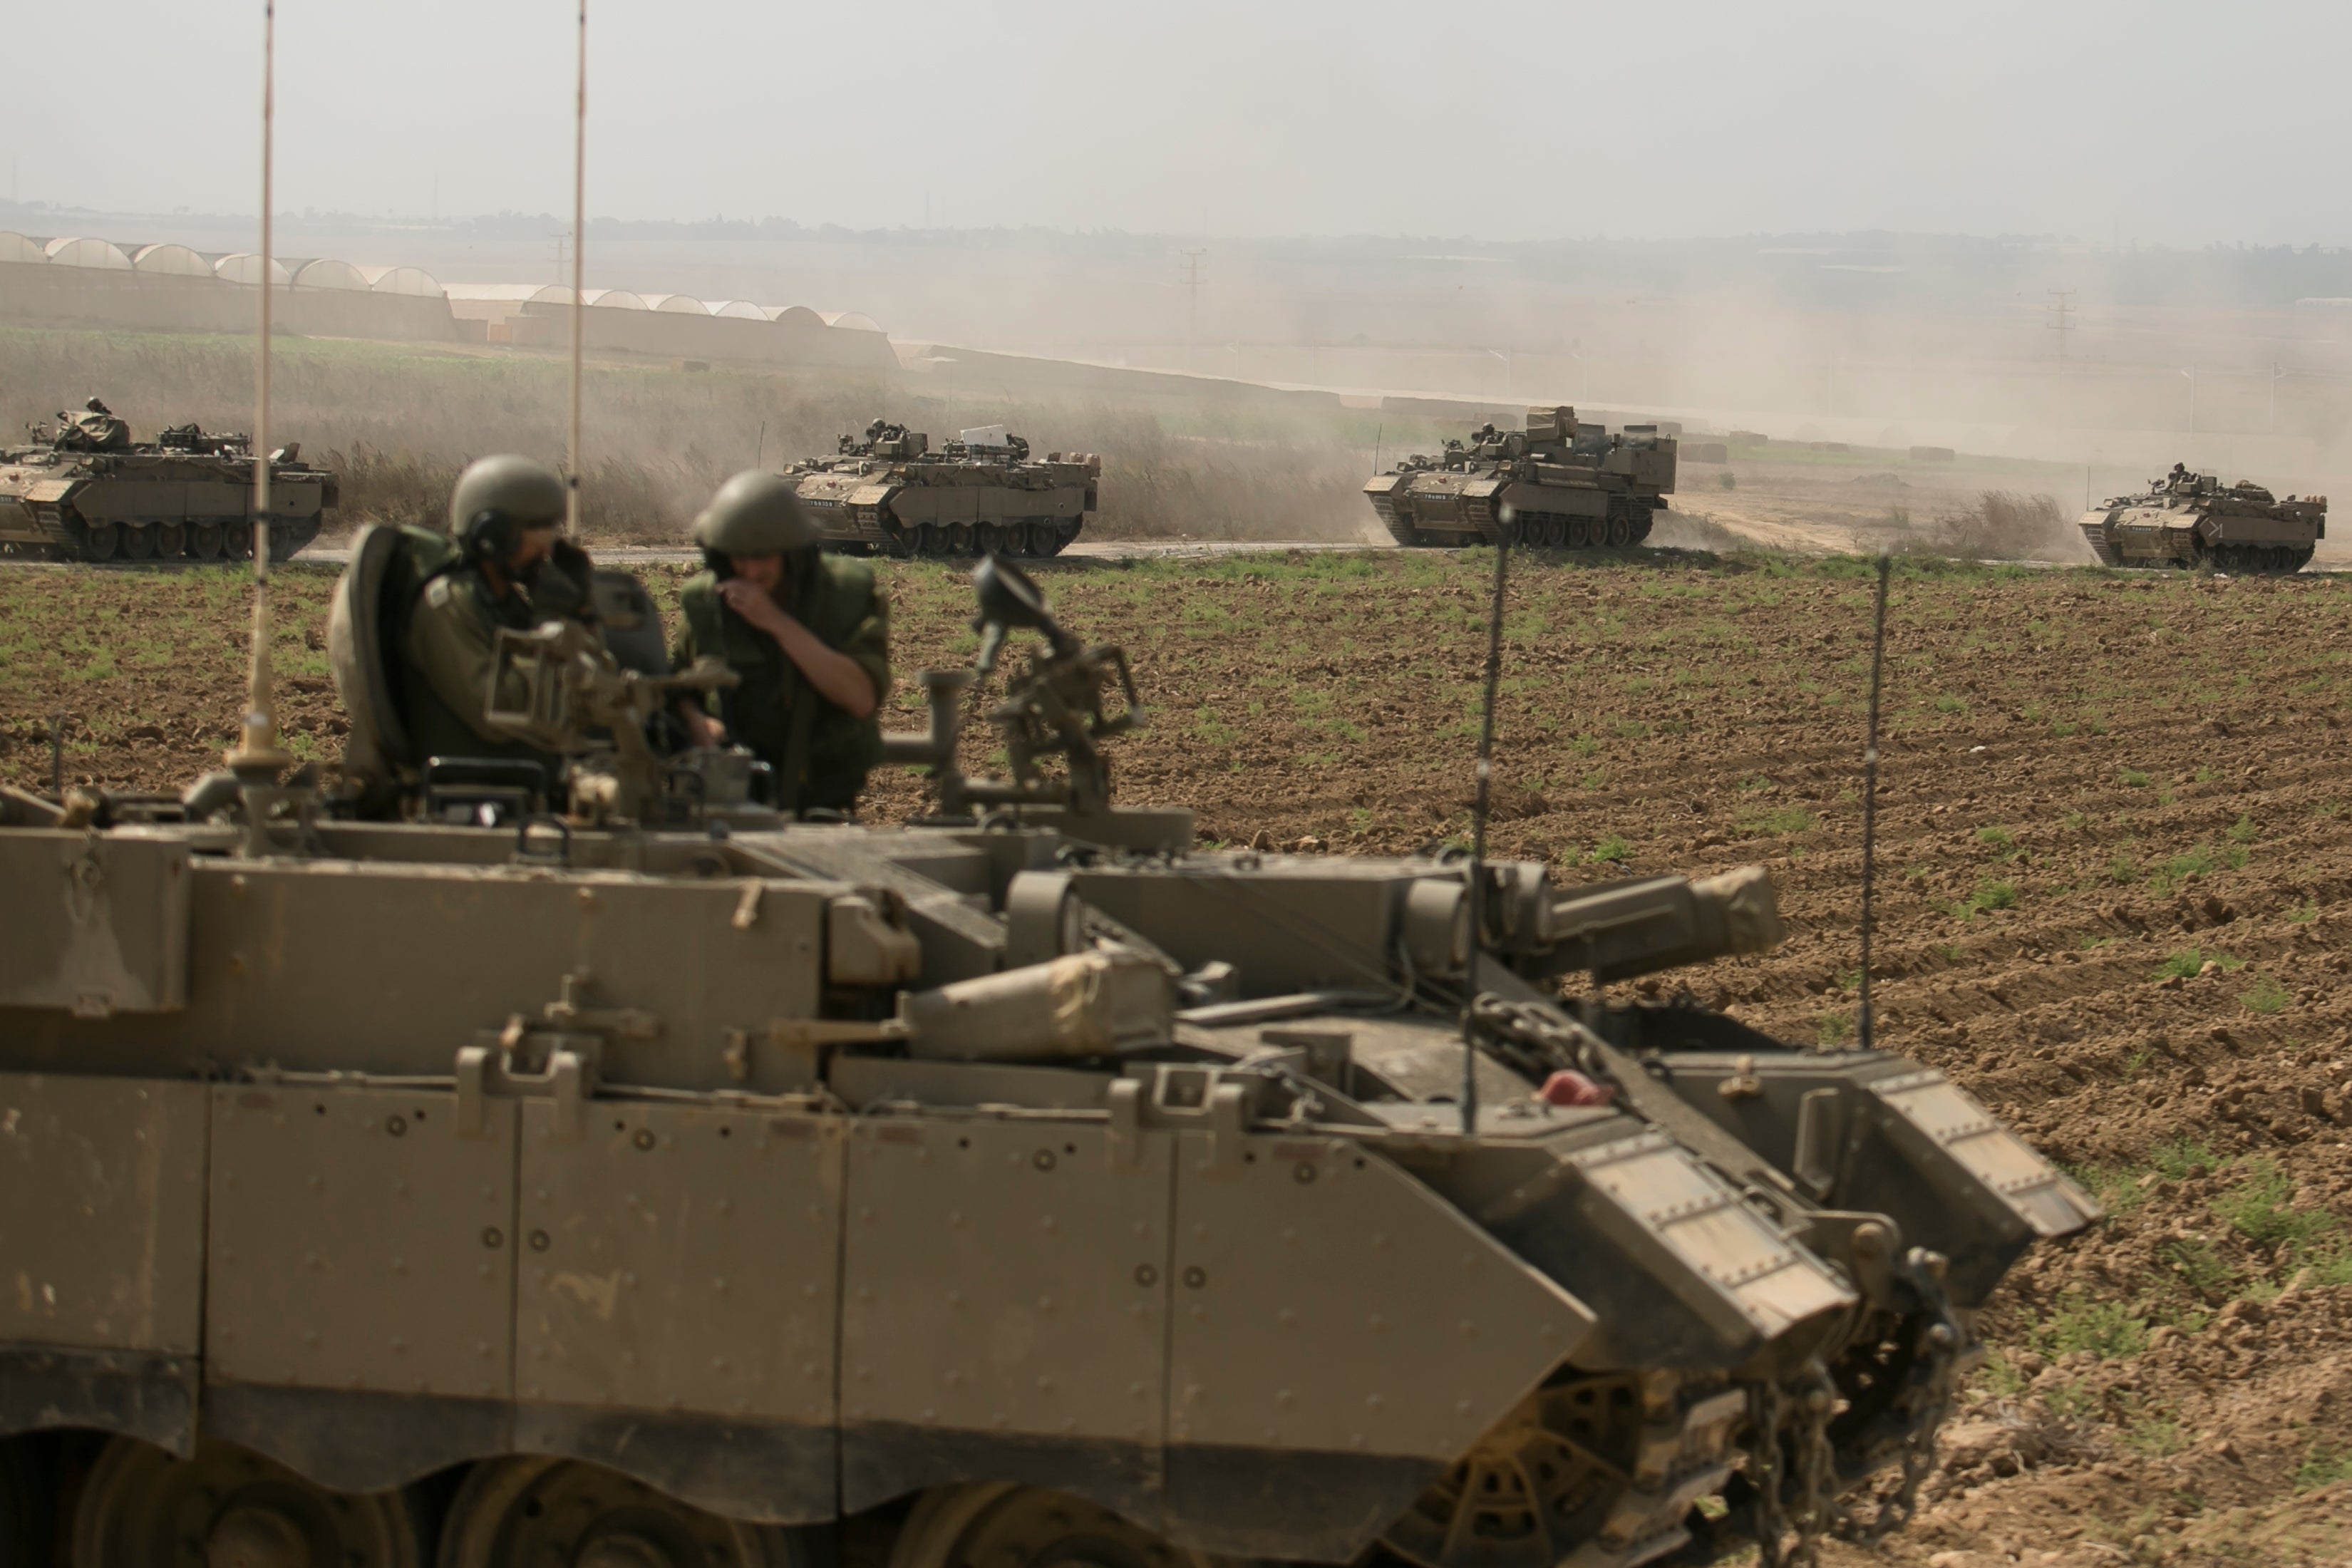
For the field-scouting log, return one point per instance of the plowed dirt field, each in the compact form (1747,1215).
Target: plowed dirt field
(2115,870)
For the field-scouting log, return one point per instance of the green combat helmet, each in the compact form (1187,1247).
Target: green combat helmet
(497,497)
(755,513)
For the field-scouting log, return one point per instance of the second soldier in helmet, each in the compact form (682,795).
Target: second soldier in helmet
(808,633)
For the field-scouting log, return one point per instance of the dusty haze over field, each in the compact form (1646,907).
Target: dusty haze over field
(2103,119)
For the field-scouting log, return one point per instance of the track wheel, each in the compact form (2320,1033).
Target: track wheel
(237,540)
(515,1514)
(1533,1490)
(101,541)
(206,541)
(171,540)
(142,1507)
(1000,1526)
(139,543)
(959,538)
(1579,533)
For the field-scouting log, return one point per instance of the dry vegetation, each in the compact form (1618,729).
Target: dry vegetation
(398,423)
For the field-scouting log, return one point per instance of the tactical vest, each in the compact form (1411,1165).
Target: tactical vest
(820,753)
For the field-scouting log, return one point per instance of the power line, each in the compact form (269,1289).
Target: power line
(2061,310)
(1192,283)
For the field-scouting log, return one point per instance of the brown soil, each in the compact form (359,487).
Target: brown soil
(2115,873)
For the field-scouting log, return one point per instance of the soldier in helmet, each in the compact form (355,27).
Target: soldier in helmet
(809,632)
(509,569)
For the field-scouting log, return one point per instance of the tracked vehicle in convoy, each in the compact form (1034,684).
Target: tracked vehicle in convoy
(84,491)
(889,493)
(652,1180)
(1557,485)
(2195,520)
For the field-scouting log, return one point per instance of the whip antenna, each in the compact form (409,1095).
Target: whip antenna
(1863,1031)
(1478,827)
(578,244)
(259,756)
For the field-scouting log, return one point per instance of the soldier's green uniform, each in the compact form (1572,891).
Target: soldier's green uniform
(449,644)
(450,649)
(820,752)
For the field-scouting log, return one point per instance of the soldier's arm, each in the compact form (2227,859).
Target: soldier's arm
(869,647)
(693,707)
(456,651)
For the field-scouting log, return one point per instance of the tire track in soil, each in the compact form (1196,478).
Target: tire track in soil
(2173,1386)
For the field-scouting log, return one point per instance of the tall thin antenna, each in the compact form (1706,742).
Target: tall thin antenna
(1478,827)
(579,244)
(259,756)
(1865,1031)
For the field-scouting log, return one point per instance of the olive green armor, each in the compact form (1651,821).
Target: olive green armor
(821,753)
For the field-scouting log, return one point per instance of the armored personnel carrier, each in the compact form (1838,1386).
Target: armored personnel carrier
(2194,520)
(1557,484)
(650,1180)
(84,491)
(890,492)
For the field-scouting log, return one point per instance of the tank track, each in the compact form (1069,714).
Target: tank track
(198,546)
(2095,534)
(2258,560)
(1624,527)
(1398,525)
(960,542)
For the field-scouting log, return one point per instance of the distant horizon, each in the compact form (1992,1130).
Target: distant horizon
(509,222)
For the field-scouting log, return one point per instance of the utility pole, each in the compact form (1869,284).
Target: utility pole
(2061,310)
(563,243)
(2192,374)
(2278,374)
(1191,282)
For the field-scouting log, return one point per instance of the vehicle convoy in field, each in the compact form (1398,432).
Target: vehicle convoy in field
(2194,520)
(890,492)
(84,491)
(1555,485)
(650,1179)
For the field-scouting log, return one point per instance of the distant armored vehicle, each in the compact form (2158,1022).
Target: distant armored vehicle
(659,1182)
(890,493)
(86,491)
(2194,520)
(1557,485)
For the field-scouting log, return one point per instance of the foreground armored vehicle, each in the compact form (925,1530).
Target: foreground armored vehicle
(2194,520)
(1557,484)
(658,1183)
(86,491)
(890,492)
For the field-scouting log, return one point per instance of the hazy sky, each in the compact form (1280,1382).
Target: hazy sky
(2160,119)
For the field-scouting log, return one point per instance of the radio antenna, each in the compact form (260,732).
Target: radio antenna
(1478,826)
(578,244)
(1864,1031)
(259,756)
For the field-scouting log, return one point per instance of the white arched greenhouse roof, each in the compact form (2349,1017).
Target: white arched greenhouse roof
(737,310)
(244,267)
(515,293)
(612,298)
(170,261)
(799,315)
(72,252)
(677,304)
(17,247)
(413,280)
(327,273)
(851,320)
